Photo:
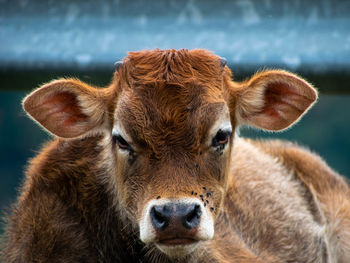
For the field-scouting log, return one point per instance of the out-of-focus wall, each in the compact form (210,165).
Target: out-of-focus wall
(66,36)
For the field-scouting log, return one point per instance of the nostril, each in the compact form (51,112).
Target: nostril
(195,212)
(160,216)
(192,219)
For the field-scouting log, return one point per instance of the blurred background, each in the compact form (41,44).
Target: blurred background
(42,40)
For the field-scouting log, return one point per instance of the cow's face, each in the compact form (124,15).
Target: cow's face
(173,138)
(169,119)
(173,145)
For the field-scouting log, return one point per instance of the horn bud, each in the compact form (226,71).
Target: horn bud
(223,62)
(118,64)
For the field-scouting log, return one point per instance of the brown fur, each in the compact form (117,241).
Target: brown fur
(83,197)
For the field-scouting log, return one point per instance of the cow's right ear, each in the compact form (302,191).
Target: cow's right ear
(67,108)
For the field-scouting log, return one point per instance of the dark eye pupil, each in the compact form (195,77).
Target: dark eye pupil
(221,136)
(220,139)
(119,140)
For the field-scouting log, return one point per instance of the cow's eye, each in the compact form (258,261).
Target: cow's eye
(121,142)
(221,139)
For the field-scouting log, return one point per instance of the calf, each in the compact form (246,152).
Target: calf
(150,169)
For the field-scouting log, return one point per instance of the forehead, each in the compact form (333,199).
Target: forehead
(167,114)
(171,99)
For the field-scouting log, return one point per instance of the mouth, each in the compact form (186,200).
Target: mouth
(176,241)
(177,247)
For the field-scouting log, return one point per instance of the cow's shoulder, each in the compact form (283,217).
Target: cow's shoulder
(323,190)
(308,166)
(266,201)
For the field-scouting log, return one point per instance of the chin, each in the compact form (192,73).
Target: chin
(178,251)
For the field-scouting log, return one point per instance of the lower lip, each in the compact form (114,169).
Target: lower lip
(176,241)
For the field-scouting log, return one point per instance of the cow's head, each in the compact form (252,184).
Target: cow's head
(169,118)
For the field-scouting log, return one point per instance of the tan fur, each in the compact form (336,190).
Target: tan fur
(84,194)
(331,191)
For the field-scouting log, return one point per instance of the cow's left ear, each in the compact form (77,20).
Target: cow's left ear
(67,108)
(272,100)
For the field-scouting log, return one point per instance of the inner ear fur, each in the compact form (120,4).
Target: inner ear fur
(272,100)
(67,108)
